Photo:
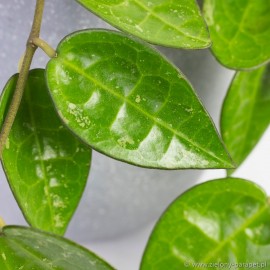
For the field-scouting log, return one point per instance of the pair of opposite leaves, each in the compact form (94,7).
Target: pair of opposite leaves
(225,221)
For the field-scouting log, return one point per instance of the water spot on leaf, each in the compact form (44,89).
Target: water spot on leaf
(72,106)
(58,202)
(189,110)
(125,140)
(138,99)
(82,120)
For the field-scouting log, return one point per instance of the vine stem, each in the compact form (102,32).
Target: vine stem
(21,83)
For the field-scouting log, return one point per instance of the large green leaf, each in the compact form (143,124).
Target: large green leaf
(24,249)
(246,112)
(45,164)
(172,23)
(127,101)
(240,31)
(224,222)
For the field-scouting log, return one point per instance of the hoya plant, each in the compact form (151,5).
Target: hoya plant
(114,92)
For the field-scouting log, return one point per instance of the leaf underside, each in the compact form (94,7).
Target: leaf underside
(169,23)
(225,221)
(240,31)
(246,112)
(24,249)
(125,100)
(45,164)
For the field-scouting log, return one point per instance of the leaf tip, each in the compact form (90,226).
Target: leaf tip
(228,164)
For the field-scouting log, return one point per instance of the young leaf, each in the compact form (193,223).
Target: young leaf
(223,221)
(240,31)
(45,164)
(25,248)
(125,100)
(246,112)
(170,23)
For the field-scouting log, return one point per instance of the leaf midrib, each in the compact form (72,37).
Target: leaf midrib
(240,26)
(32,119)
(123,99)
(31,254)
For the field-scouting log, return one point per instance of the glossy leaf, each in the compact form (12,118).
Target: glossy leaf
(240,31)
(170,23)
(125,100)
(25,249)
(46,165)
(246,112)
(222,221)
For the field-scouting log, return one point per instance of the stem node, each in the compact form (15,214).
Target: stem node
(38,42)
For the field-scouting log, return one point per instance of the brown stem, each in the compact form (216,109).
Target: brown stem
(21,83)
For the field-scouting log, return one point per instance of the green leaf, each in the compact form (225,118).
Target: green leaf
(222,221)
(125,100)
(46,165)
(246,112)
(25,249)
(169,23)
(240,31)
